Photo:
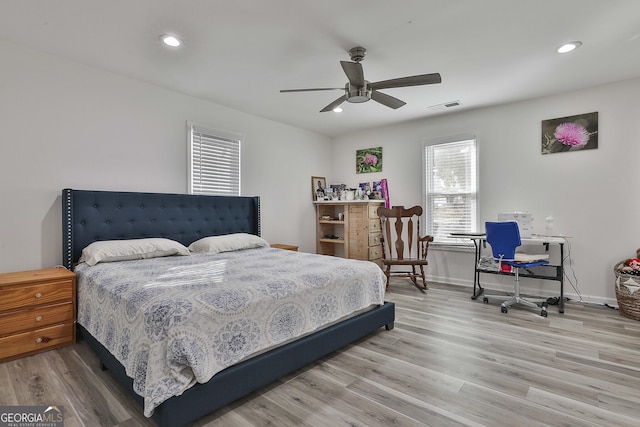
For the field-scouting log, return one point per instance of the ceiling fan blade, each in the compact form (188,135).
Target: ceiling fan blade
(387,100)
(334,104)
(422,79)
(312,89)
(354,73)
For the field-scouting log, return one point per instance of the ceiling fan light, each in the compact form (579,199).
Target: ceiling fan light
(568,47)
(337,110)
(171,41)
(357,95)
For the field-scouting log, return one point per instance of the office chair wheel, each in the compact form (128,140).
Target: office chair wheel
(504,309)
(485,300)
(543,312)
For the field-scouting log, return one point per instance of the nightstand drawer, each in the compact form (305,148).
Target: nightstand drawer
(36,317)
(373,210)
(25,296)
(35,341)
(374,225)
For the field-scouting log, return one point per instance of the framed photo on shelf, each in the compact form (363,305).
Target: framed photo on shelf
(318,184)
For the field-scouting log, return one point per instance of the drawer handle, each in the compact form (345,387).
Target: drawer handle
(38,319)
(38,295)
(38,340)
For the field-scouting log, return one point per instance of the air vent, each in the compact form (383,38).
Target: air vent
(440,107)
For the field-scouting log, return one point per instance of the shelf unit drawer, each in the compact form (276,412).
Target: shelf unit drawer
(30,342)
(375,252)
(36,317)
(373,211)
(375,239)
(12,297)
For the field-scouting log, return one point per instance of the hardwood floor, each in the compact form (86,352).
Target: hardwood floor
(450,361)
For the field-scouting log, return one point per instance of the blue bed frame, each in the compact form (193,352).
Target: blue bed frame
(89,216)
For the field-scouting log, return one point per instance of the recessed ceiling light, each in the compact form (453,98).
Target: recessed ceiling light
(337,110)
(171,41)
(568,47)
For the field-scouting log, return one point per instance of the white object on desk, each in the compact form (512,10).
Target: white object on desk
(524,220)
(549,225)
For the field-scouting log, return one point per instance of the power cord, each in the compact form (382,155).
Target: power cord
(567,262)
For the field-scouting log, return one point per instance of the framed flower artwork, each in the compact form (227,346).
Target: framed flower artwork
(369,160)
(570,133)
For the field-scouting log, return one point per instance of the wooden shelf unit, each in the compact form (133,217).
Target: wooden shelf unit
(37,311)
(356,236)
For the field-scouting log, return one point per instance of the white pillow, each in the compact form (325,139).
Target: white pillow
(227,243)
(125,250)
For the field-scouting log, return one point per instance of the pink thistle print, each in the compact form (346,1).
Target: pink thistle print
(370,159)
(571,134)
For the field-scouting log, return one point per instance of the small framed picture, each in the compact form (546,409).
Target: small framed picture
(369,160)
(318,184)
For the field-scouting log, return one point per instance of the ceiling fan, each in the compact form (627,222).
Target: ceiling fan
(359,90)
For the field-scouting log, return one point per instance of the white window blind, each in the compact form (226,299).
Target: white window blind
(451,189)
(214,162)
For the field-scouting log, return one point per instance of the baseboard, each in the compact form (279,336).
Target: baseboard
(508,287)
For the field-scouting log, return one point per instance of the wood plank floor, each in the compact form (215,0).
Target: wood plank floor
(450,361)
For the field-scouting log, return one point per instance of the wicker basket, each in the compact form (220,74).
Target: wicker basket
(627,291)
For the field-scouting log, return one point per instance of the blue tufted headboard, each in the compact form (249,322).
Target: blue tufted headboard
(88,216)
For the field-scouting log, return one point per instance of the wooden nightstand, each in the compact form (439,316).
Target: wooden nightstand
(37,311)
(286,247)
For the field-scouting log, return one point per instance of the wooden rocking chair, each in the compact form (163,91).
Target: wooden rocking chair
(394,234)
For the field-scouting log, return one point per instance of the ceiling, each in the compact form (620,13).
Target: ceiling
(240,53)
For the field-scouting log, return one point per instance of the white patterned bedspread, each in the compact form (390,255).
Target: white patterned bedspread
(178,320)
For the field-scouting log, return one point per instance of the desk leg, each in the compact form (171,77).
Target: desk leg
(477,289)
(561,302)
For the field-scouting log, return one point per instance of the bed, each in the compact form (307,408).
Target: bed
(93,216)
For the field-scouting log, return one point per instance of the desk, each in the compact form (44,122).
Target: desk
(545,272)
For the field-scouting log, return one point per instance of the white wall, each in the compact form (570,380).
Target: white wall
(63,124)
(590,193)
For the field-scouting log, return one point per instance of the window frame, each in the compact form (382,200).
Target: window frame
(225,141)
(475,213)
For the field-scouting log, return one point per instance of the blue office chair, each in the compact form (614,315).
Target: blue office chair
(504,238)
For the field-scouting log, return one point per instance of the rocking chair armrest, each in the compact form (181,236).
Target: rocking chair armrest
(424,245)
(426,238)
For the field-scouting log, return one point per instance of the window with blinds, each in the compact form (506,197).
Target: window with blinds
(214,162)
(451,189)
